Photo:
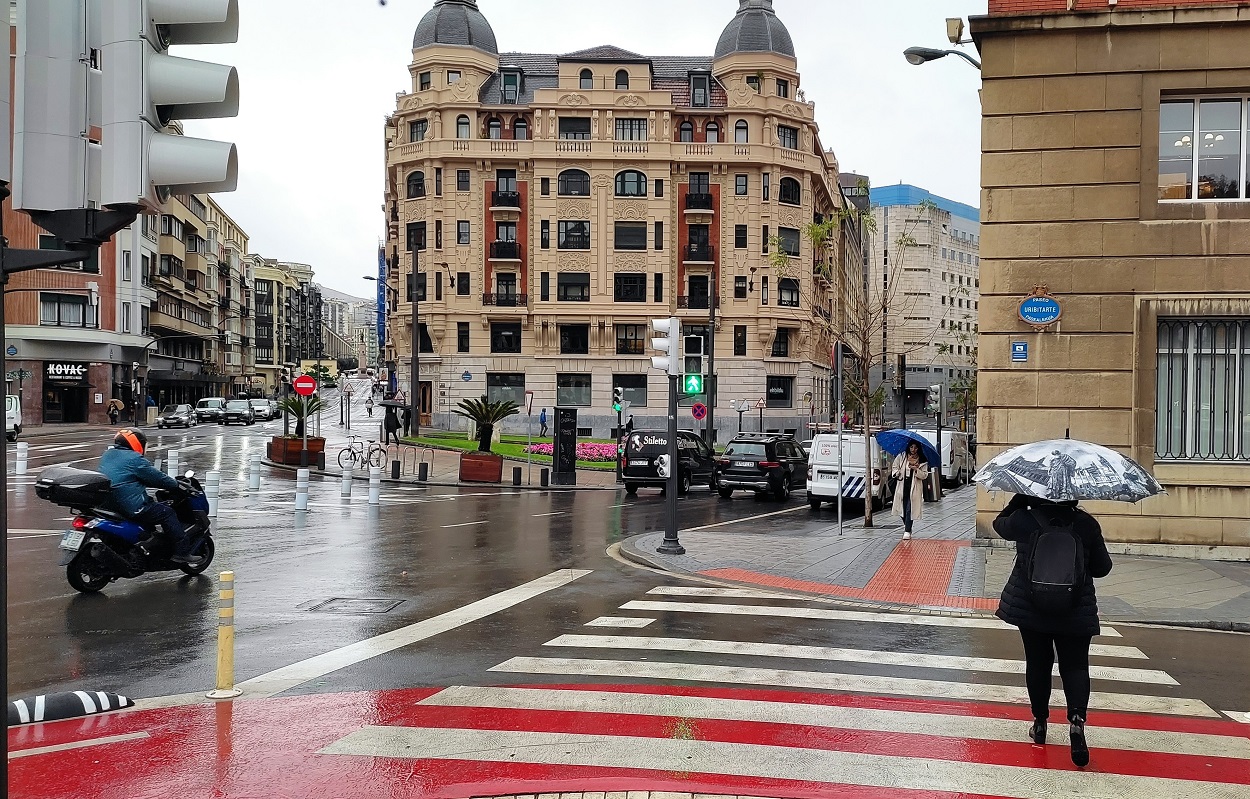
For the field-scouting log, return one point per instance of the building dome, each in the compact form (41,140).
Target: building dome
(455,22)
(755,29)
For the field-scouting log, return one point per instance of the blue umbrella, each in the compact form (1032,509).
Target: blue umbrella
(896,441)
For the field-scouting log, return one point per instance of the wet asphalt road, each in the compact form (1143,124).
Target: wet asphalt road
(429,551)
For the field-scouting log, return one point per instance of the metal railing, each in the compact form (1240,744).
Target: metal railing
(699,202)
(505,300)
(700,253)
(505,199)
(509,250)
(696,302)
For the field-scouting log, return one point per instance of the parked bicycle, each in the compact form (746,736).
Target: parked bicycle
(357,455)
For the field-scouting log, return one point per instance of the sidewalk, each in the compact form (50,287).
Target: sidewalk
(940,570)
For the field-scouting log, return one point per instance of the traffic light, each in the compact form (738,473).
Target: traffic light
(669,361)
(618,396)
(933,403)
(662,465)
(145,89)
(694,365)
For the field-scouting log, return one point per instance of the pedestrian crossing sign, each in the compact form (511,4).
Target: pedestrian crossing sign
(692,384)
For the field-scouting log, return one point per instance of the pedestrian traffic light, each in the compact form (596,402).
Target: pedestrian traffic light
(145,89)
(692,351)
(618,395)
(668,362)
(662,465)
(933,403)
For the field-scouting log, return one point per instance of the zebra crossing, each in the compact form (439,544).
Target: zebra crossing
(675,691)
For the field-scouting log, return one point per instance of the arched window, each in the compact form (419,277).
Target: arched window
(622,80)
(740,132)
(587,79)
(494,129)
(713,132)
(462,127)
(789,192)
(520,130)
(573,183)
(416,185)
(685,132)
(631,183)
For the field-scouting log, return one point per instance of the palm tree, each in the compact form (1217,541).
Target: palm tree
(486,414)
(300,408)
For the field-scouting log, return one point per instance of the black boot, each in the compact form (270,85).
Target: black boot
(1037,732)
(1080,750)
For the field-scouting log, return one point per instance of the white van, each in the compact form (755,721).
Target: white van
(958,465)
(12,416)
(822,470)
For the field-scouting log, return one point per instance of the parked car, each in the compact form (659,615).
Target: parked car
(209,409)
(263,409)
(857,483)
(238,411)
(696,462)
(177,416)
(766,463)
(12,416)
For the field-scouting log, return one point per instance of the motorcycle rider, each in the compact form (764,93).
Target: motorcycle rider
(130,475)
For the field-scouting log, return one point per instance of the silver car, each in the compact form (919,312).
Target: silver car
(263,409)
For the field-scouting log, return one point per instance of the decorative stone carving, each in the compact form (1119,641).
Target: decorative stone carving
(788,218)
(574,262)
(594,124)
(668,119)
(467,87)
(410,103)
(791,109)
(629,262)
(630,209)
(807,139)
(417,211)
(574,209)
(601,181)
(630,101)
(573,99)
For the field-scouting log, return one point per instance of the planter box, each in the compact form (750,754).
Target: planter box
(480,467)
(287,450)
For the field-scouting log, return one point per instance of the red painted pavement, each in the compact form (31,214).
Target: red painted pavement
(267,749)
(917,572)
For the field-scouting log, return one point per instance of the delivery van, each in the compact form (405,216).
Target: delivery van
(856,483)
(958,465)
(12,416)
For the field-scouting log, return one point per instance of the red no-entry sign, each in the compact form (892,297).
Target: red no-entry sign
(304,385)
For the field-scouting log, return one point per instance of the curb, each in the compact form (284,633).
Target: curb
(439,483)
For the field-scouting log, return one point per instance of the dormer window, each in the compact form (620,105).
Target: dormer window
(783,88)
(453,77)
(700,89)
(753,82)
(587,79)
(511,87)
(423,81)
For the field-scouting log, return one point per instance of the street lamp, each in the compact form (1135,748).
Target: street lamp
(920,55)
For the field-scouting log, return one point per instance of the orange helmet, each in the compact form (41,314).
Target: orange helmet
(131,438)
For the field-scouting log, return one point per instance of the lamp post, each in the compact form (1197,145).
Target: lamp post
(921,55)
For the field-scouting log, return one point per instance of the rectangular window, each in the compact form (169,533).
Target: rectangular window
(463,285)
(740,237)
(630,236)
(424,80)
(740,341)
(65,310)
(788,292)
(453,77)
(501,387)
(438,234)
(92,262)
(631,340)
(544,286)
(633,389)
(700,183)
(462,232)
(125,317)
(631,129)
(763,290)
(788,137)
(511,87)
(126,276)
(783,88)
(740,287)
(544,186)
(1202,153)
(753,82)
(740,185)
(789,240)
(544,234)
(505,231)
(574,339)
(574,128)
(416,236)
(700,90)
(462,180)
(659,287)
(438,288)
(420,276)
(629,287)
(573,287)
(766,237)
(659,187)
(505,180)
(781,343)
(767,186)
(573,390)
(659,235)
(438,181)
(780,392)
(572,235)
(505,338)
(1202,390)
(417,129)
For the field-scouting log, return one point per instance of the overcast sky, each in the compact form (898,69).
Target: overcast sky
(318,78)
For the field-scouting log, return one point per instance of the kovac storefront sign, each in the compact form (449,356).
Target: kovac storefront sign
(1039,310)
(65,374)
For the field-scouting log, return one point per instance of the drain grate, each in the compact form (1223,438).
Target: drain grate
(343,605)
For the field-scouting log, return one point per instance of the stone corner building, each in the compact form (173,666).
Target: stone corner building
(554,204)
(1115,172)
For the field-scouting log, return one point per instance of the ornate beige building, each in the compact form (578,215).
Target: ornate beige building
(554,204)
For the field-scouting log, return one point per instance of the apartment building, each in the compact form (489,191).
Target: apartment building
(234,322)
(934,288)
(288,319)
(551,205)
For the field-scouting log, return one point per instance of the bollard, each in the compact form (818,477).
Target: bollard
(375,485)
(212,491)
(172,465)
(254,474)
(395,469)
(347,482)
(23,452)
(516,475)
(225,641)
(423,471)
(301,489)
(544,478)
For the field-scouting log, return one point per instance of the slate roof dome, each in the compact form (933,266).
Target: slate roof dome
(755,29)
(456,22)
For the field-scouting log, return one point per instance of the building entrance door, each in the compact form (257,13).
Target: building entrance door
(64,405)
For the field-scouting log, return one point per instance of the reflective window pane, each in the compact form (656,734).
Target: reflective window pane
(1176,150)
(1219,149)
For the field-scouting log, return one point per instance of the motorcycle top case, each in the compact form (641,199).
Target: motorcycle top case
(72,488)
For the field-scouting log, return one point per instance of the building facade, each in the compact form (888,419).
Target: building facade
(550,206)
(935,291)
(1115,174)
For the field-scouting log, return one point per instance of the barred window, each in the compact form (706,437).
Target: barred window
(1203,390)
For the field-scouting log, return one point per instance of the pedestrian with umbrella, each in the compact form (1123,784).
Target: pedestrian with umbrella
(1060,550)
(913,456)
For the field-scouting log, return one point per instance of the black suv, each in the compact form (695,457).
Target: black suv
(695,460)
(761,462)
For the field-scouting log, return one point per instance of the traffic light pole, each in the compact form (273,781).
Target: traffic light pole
(620,434)
(671,545)
(709,432)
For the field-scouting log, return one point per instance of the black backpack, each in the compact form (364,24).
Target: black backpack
(1056,567)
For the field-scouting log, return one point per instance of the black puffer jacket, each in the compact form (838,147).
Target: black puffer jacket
(1016,606)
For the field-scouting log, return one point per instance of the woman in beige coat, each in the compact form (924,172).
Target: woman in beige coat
(912,470)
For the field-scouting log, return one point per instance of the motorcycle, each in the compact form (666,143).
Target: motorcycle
(103,545)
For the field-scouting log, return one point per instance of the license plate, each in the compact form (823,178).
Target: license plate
(640,462)
(825,476)
(744,464)
(72,539)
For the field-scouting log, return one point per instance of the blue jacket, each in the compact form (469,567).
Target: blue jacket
(130,473)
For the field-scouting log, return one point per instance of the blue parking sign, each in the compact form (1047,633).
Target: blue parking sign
(1019,351)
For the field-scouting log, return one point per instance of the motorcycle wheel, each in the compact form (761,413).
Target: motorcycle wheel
(207,549)
(81,578)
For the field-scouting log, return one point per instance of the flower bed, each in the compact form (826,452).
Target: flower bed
(594,453)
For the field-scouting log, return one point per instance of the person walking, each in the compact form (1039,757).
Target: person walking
(912,470)
(390,425)
(407,419)
(542,423)
(114,411)
(369,406)
(1050,597)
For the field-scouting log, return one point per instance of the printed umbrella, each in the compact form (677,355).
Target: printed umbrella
(1065,470)
(896,441)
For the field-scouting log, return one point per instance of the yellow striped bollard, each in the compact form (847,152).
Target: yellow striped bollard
(225,642)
